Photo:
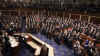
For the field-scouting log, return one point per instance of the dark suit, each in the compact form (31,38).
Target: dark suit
(44,51)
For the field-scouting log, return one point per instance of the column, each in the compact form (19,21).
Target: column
(69,15)
(89,18)
(80,17)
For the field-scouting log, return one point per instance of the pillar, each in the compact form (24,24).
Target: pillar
(80,17)
(69,15)
(89,18)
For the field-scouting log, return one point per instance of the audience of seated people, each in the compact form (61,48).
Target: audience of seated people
(63,30)
(66,30)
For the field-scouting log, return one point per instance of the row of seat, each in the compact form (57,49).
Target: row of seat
(63,30)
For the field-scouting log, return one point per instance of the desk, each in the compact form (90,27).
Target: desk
(51,50)
(85,37)
(34,45)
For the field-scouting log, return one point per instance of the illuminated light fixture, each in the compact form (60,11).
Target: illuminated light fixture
(12,23)
(5,0)
(15,0)
(26,36)
(21,0)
